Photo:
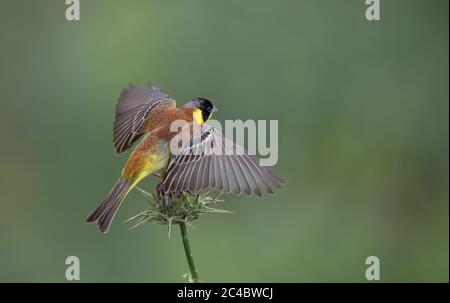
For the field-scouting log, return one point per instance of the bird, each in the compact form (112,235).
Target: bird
(149,112)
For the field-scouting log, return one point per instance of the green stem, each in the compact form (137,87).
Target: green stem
(187,250)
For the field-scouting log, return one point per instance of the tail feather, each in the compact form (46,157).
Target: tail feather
(104,214)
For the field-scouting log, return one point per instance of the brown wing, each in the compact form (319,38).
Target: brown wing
(212,160)
(133,108)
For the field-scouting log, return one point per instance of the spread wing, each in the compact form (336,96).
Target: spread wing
(134,107)
(212,160)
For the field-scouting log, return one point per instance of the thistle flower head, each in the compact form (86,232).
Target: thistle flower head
(175,209)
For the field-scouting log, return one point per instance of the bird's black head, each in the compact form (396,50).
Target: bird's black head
(205,106)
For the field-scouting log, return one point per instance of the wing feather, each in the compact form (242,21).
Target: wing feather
(226,167)
(133,109)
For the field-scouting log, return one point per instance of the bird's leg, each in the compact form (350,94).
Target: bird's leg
(160,189)
(162,195)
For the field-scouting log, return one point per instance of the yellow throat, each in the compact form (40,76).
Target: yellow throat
(198,116)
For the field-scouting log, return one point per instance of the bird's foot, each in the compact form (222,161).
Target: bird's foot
(162,196)
(160,190)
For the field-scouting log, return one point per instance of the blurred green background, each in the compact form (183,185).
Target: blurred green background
(363,116)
